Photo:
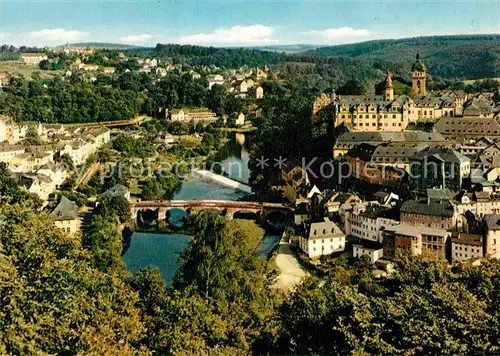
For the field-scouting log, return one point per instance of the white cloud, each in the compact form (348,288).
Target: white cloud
(59,35)
(236,35)
(339,34)
(136,39)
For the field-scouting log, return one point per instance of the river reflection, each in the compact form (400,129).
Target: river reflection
(162,250)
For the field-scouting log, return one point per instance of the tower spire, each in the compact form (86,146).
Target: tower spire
(389,89)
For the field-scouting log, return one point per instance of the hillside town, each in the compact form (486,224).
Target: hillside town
(449,174)
(426,193)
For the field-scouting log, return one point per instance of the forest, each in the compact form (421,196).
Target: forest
(466,57)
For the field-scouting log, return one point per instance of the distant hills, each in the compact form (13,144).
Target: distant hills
(293,48)
(103,45)
(461,56)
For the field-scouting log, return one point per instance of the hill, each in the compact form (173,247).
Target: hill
(103,45)
(292,48)
(460,56)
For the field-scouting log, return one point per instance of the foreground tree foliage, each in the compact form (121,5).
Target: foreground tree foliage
(52,299)
(59,296)
(222,286)
(426,307)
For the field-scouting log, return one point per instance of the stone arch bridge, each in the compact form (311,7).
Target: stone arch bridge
(195,206)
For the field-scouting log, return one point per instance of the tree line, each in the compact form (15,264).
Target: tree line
(110,98)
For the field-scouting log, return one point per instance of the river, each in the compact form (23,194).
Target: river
(162,250)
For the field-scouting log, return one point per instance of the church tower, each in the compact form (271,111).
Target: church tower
(389,89)
(418,75)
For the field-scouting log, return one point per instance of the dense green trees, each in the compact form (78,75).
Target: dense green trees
(425,307)
(162,186)
(465,56)
(134,147)
(52,298)
(57,100)
(119,97)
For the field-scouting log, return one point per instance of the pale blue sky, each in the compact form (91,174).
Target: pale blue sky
(232,23)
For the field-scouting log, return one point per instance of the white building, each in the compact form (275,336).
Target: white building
(259,93)
(367,222)
(215,79)
(373,253)
(65,216)
(33,59)
(492,243)
(240,120)
(30,161)
(7,151)
(3,129)
(192,115)
(322,238)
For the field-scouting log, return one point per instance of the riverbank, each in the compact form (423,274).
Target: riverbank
(291,272)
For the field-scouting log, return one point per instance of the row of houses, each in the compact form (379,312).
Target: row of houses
(39,166)
(241,84)
(458,228)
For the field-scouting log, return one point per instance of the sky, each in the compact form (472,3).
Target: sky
(239,22)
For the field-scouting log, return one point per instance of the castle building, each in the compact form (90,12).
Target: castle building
(375,112)
(390,112)
(418,75)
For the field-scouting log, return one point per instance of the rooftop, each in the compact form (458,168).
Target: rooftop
(444,154)
(65,210)
(431,208)
(320,230)
(409,230)
(467,239)
(492,221)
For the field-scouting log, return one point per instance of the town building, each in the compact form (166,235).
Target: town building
(196,115)
(8,151)
(362,167)
(33,59)
(349,140)
(432,106)
(240,120)
(118,190)
(5,78)
(259,92)
(367,221)
(462,129)
(372,113)
(373,253)
(439,167)
(334,201)
(65,216)
(415,240)
(478,106)
(419,76)
(466,247)
(291,183)
(322,238)
(431,213)
(492,236)
(215,79)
